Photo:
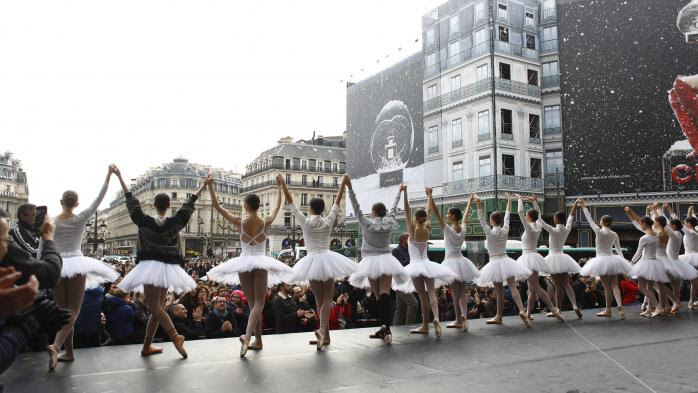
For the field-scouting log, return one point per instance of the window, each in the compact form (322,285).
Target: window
(530,19)
(288,178)
(553,162)
(453,52)
(432,92)
(505,71)
(552,117)
(458,171)
(479,36)
(430,38)
(507,131)
(550,33)
(456,133)
(550,69)
(503,14)
(479,11)
(455,83)
(484,166)
(296,163)
(319,181)
(534,126)
(530,41)
(304,165)
(287,219)
(483,122)
(335,167)
(532,77)
(535,168)
(431,61)
(304,180)
(453,27)
(288,164)
(335,182)
(508,168)
(319,166)
(503,34)
(174,196)
(482,72)
(433,139)
(304,199)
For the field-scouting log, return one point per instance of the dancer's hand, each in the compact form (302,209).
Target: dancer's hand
(48,228)
(428,191)
(403,187)
(347,181)
(115,170)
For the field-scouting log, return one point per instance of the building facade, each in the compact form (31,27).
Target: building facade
(492,100)
(14,190)
(312,168)
(207,231)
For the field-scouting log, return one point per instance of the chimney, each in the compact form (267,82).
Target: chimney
(287,139)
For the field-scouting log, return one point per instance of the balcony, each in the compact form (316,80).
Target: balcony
(457,95)
(534,140)
(549,14)
(548,46)
(433,149)
(456,144)
(553,180)
(432,70)
(339,171)
(507,135)
(8,194)
(550,81)
(483,137)
(293,183)
(486,183)
(552,131)
(517,87)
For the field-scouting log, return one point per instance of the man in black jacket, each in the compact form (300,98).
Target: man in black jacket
(286,312)
(191,329)
(24,233)
(221,322)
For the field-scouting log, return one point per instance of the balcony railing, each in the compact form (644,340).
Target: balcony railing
(552,131)
(548,46)
(339,171)
(458,58)
(457,95)
(433,149)
(293,183)
(549,14)
(529,53)
(553,180)
(8,194)
(534,140)
(483,137)
(507,135)
(486,183)
(458,143)
(432,70)
(517,87)
(550,81)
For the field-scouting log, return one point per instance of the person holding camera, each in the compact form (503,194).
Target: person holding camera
(79,272)
(24,233)
(340,316)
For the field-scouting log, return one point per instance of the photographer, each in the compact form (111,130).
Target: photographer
(24,232)
(340,316)
(46,269)
(23,320)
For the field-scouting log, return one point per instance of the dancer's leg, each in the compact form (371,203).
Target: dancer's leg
(676,285)
(458,292)
(420,286)
(431,295)
(608,295)
(260,279)
(694,292)
(150,330)
(499,291)
(247,285)
(328,289)
(73,290)
(559,287)
(154,300)
(532,292)
(511,282)
(616,295)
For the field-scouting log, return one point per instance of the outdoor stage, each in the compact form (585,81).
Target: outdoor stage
(589,355)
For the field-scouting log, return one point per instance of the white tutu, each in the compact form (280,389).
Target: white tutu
(501,268)
(227,272)
(650,269)
(426,268)
(691,259)
(375,266)
(606,265)
(561,263)
(158,274)
(464,268)
(96,272)
(322,266)
(681,270)
(534,262)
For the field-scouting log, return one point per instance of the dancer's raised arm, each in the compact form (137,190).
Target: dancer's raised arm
(588,216)
(235,220)
(634,218)
(354,202)
(507,214)
(464,223)
(87,213)
(117,172)
(481,215)
(432,206)
(406,202)
(282,185)
(277,205)
(668,208)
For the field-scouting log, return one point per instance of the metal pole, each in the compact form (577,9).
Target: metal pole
(494,106)
(94,239)
(293,234)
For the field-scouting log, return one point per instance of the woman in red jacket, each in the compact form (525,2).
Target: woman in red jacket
(628,290)
(340,315)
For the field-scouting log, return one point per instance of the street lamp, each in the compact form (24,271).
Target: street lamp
(95,240)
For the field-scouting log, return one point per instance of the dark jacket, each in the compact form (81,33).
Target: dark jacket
(159,242)
(47,268)
(285,314)
(120,318)
(25,237)
(12,341)
(89,321)
(190,329)
(402,255)
(240,319)
(214,323)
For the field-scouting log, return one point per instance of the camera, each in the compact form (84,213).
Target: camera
(40,217)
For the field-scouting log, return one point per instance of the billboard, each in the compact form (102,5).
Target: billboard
(620,61)
(385,138)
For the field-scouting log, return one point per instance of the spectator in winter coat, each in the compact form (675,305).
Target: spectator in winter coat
(628,290)
(221,322)
(191,329)
(121,317)
(240,310)
(88,325)
(340,316)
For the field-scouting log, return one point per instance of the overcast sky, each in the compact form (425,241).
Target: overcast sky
(87,83)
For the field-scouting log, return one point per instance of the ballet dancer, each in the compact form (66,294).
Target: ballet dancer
(560,265)
(682,270)
(660,226)
(321,267)
(465,269)
(647,269)
(158,262)
(501,268)
(252,270)
(605,264)
(425,274)
(531,259)
(78,271)
(690,244)
(378,270)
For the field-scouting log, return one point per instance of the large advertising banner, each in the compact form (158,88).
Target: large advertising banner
(628,102)
(385,138)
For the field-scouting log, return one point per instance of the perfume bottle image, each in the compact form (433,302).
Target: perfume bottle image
(687,21)
(392,142)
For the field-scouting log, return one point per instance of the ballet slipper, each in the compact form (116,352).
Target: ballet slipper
(65,358)
(320,340)
(621,314)
(691,306)
(659,312)
(695,303)
(494,321)
(388,337)
(604,314)
(550,315)
(150,350)
(437,328)
(424,329)
(556,314)
(52,358)
(464,321)
(256,345)
(525,320)
(178,341)
(244,347)
(646,314)
(578,312)
(676,308)
(455,325)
